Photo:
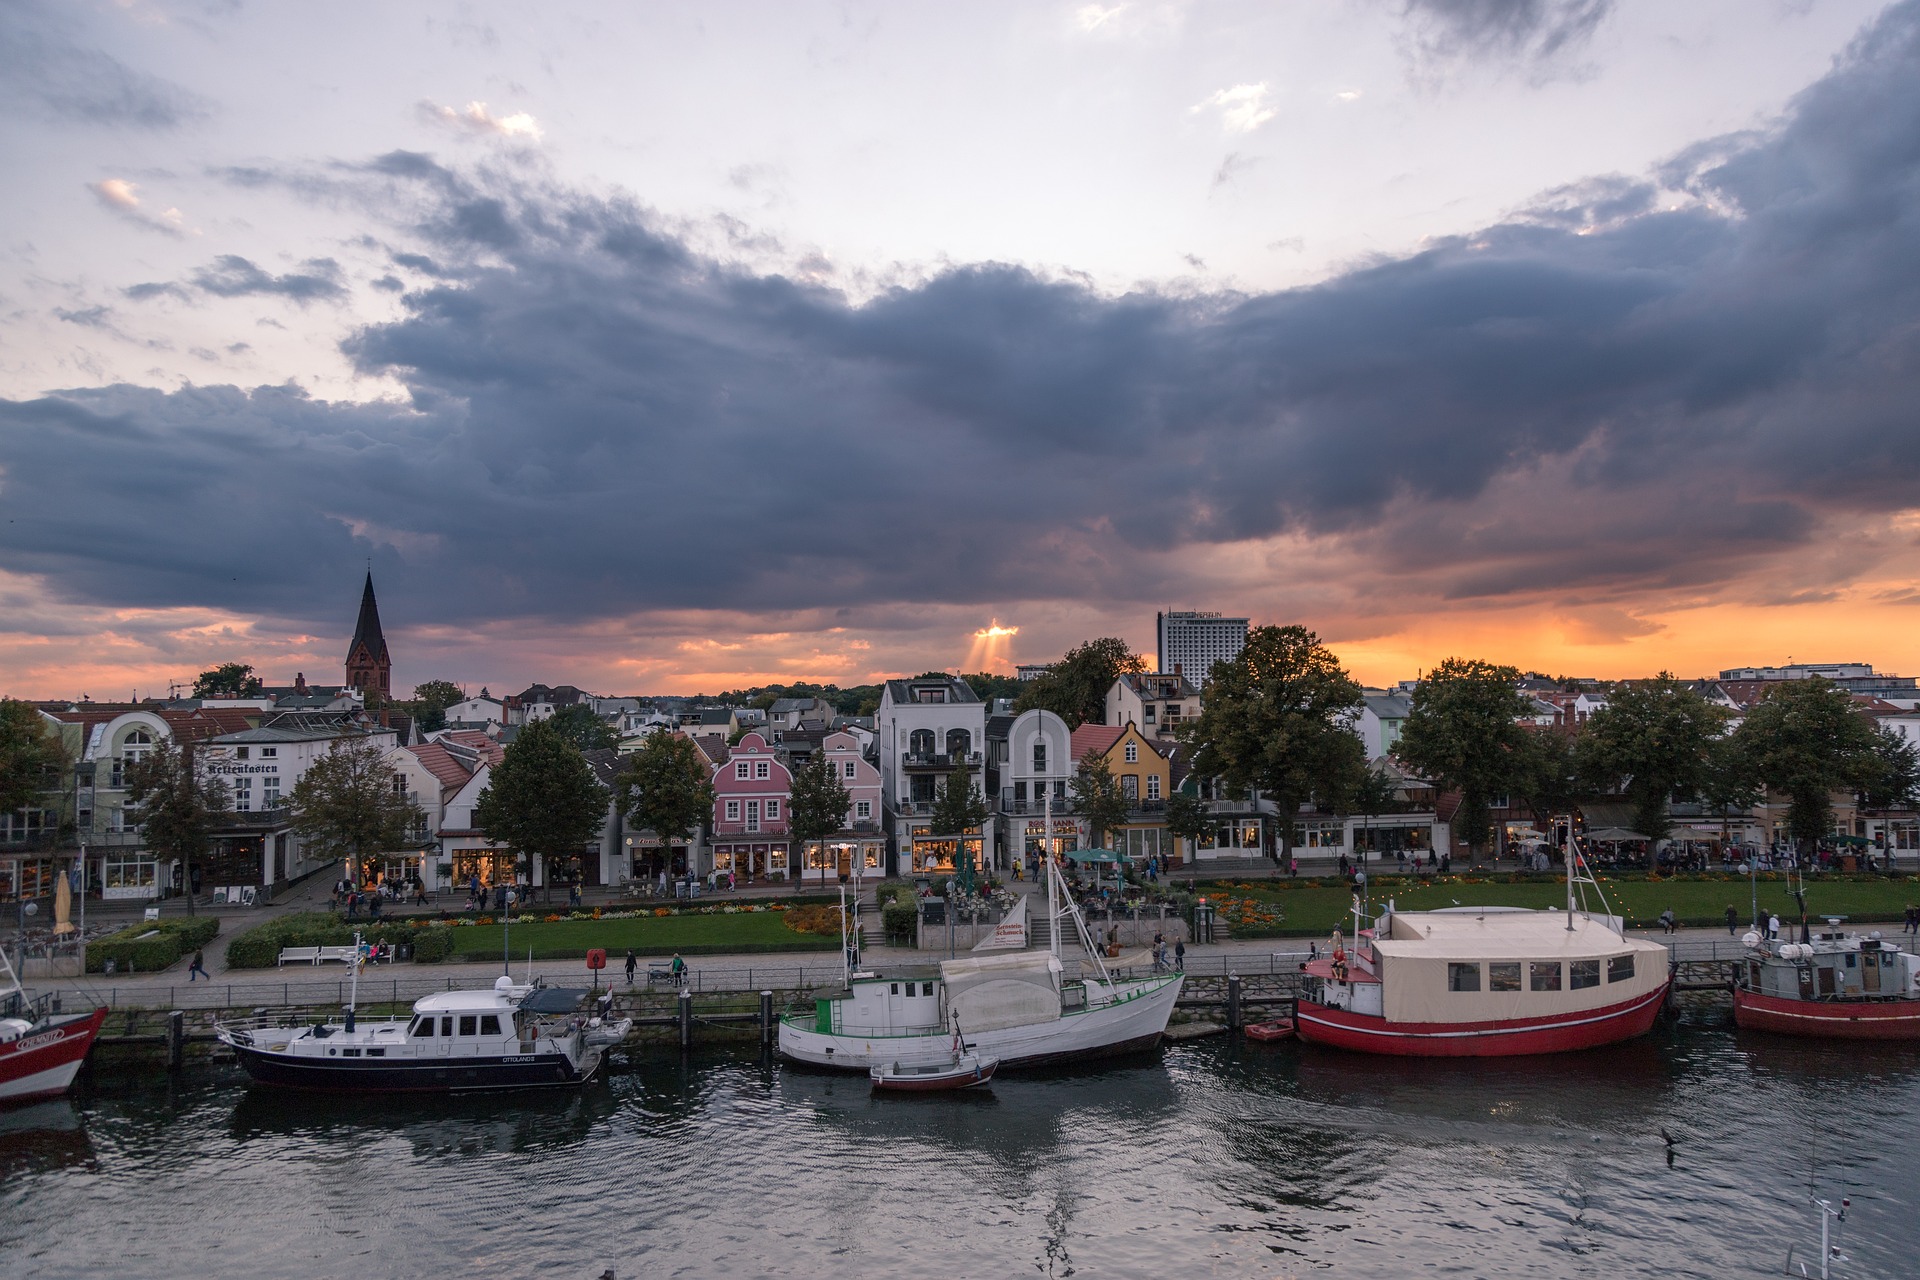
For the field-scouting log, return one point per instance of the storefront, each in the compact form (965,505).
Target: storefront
(934,855)
(399,870)
(832,859)
(1030,836)
(25,875)
(1141,843)
(752,861)
(129,873)
(649,862)
(492,866)
(1393,839)
(1232,839)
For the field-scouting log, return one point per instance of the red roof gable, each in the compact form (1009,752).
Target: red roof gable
(442,764)
(1095,738)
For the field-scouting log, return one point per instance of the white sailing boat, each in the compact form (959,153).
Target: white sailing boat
(1016,1007)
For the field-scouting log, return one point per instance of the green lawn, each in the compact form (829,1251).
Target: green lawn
(649,936)
(1311,911)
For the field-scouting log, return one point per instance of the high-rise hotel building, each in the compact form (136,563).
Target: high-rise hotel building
(1191,642)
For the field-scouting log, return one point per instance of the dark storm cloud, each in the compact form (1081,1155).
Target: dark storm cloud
(1622,387)
(231,276)
(46,69)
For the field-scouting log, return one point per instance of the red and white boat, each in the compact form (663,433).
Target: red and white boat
(1471,982)
(1837,985)
(40,1051)
(968,1071)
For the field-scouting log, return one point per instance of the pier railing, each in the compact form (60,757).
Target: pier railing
(378,986)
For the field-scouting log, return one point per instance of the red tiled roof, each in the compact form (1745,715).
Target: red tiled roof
(487,748)
(1095,738)
(439,762)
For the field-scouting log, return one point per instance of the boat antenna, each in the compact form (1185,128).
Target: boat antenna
(1046,860)
(1580,878)
(353,993)
(846,957)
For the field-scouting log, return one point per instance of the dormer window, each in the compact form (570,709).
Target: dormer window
(1133,753)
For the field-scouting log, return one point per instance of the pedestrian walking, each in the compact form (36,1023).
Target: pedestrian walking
(1667,924)
(1733,919)
(199,967)
(1773,928)
(1913,919)
(1180,953)
(678,968)
(632,964)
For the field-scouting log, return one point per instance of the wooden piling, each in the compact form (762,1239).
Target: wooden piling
(686,1019)
(1233,1001)
(176,1040)
(766,1019)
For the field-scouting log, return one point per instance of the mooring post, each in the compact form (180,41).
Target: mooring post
(1233,1001)
(686,1018)
(176,1040)
(766,1019)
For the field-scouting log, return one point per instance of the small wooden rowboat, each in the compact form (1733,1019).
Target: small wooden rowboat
(1278,1029)
(965,1072)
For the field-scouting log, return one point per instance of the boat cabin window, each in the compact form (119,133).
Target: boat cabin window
(422,1027)
(1582,974)
(926,988)
(1620,968)
(489,1025)
(376,1053)
(446,1026)
(1503,976)
(1545,974)
(349,1053)
(894,990)
(1463,977)
(466,1024)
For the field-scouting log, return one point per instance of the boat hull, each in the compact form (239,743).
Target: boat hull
(421,1075)
(1828,1019)
(43,1064)
(1554,1033)
(1126,1026)
(971,1079)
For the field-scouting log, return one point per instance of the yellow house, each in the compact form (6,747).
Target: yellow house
(1146,779)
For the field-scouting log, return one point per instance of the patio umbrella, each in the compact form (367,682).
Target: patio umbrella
(1614,834)
(63,904)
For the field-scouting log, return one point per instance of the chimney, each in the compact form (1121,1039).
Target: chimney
(1176,668)
(299,682)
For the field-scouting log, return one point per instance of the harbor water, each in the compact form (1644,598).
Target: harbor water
(1214,1158)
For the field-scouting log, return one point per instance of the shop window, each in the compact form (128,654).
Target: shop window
(1463,977)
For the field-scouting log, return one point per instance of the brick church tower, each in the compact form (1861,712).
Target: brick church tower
(369,669)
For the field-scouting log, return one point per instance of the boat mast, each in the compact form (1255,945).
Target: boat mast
(1046,860)
(353,993)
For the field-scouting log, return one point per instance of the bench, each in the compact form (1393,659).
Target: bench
(299,955)
(345,955)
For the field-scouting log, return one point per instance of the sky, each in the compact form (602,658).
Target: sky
(675,348)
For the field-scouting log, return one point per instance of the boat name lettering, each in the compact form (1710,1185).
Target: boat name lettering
(42,1040)
(520,1057)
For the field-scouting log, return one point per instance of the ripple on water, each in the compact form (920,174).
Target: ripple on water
(1209,1159)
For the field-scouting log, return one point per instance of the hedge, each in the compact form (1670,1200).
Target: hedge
(260,947)
(132,951)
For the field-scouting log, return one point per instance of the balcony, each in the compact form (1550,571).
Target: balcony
(1063,806)
(252,819)
(31,841)
(913,808)
(1138,809)
(938,761)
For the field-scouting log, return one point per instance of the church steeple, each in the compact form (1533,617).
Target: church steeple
(369,669)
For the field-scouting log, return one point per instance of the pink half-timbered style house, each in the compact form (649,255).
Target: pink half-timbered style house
(859,849)
(751,789)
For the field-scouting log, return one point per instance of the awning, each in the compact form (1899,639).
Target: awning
(554,1000)
(1615,833)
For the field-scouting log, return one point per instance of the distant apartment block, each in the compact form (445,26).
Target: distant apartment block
(1191,642)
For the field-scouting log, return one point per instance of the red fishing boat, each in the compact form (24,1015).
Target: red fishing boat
(1485,981)
(1836,984)
(40,1050)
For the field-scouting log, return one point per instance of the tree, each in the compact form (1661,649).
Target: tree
(180,807)
(1187,817)
(1463,733)
(542,798)
(33,760)
(957,810)
(579,725)
(817,805)
(1276,719)
(431,700)
(1372,794)
(346,805)
(1893,774)
(228,680)
(987,686)
(666,788)
(1653,740)
(1730,786)
(1076,688)
(1805,741)
(1097,795)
